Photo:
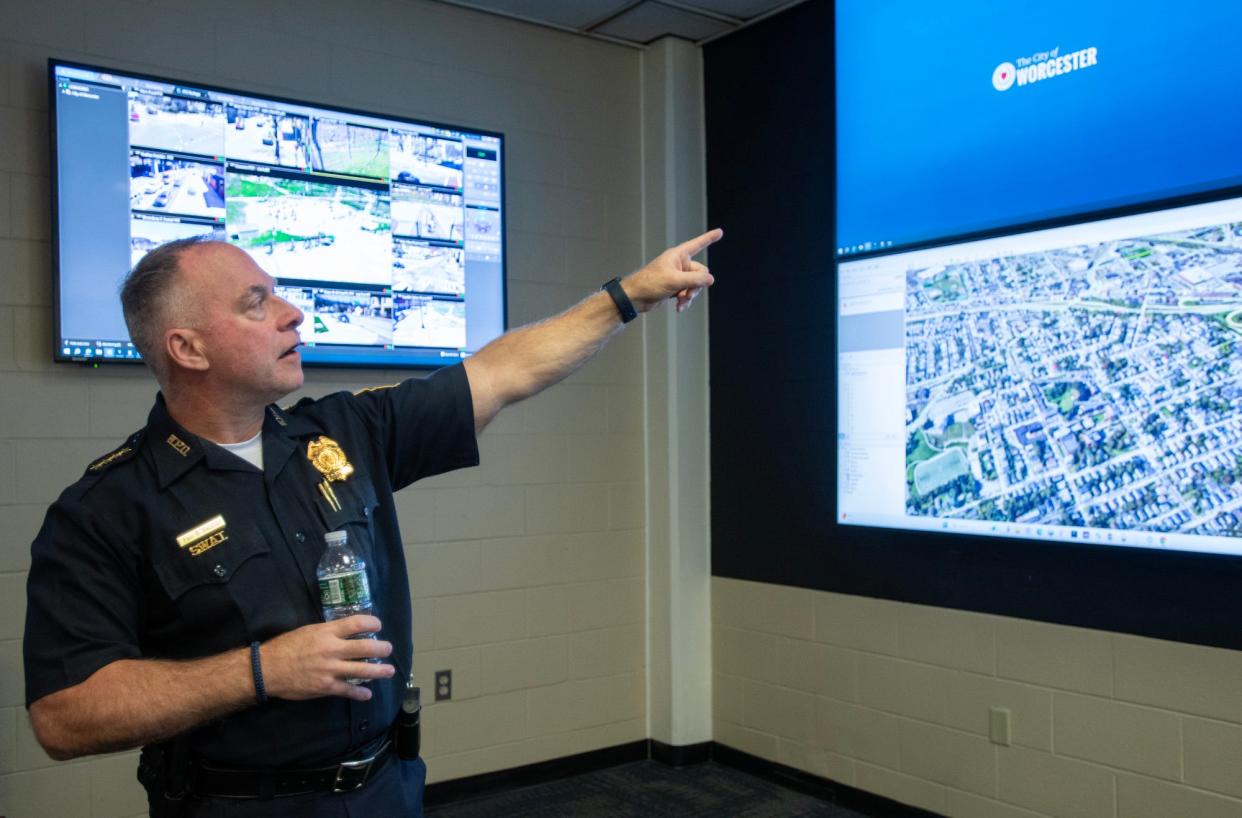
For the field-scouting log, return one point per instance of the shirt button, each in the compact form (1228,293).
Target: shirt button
(364,726)
(300,537)
(219,570)
(366,512)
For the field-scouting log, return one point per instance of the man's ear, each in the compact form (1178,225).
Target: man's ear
(185,349)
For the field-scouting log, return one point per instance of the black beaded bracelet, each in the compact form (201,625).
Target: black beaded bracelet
(256,669)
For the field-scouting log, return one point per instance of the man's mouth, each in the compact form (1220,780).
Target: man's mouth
(291,350)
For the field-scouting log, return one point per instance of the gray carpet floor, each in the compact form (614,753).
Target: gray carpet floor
(648,788)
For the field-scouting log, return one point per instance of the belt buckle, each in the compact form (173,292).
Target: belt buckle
(352,775)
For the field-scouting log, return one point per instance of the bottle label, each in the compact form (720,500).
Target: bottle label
(345,589)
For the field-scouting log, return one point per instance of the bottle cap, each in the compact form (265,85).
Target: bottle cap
(336,537)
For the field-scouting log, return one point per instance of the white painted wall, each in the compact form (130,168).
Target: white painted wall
(893,698)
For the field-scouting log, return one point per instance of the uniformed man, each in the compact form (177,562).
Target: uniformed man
(173,601)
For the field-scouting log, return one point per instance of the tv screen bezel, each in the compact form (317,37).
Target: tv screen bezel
(58,355)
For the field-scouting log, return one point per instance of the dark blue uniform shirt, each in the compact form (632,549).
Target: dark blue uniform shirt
(119,572)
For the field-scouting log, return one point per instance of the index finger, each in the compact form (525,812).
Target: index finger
(358,623)
(700,243)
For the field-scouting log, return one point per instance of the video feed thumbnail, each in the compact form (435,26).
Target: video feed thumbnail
(338,147)
(423,213)
(268,136)
(169,184)
(166,122)
(311,230)
(1092,385)
(427,160)
(359,317)
(427,321)
(148,232)
(429,268)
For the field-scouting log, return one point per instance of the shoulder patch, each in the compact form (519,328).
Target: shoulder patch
(375,389)
(299,404)
(119,455)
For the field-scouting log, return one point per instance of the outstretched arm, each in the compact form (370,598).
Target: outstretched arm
(527,360)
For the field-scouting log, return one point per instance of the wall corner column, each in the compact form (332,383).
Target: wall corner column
(675,361)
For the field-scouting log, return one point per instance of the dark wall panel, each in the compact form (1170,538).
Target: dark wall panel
(770,157)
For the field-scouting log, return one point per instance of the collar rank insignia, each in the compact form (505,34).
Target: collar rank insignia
(179,446)
(326,456)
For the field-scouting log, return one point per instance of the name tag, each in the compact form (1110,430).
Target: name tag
(204,536)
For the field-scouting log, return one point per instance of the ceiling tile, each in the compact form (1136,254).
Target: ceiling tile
(578,14)
(651,20)
(741,9)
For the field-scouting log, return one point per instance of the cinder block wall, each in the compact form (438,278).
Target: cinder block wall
(894,699)
(527,572)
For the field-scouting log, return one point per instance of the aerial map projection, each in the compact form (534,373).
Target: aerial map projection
(1095,385)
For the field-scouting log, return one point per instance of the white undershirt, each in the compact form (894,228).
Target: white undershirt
(249,450)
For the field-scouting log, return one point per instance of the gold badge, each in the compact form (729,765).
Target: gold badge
(326,456)
(204,536)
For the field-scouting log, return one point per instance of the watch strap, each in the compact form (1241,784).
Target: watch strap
(624,305)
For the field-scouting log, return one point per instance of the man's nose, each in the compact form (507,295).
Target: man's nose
(295,318)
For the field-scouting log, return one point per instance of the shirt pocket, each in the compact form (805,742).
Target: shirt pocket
(352,510)
(353,503)
(212,591)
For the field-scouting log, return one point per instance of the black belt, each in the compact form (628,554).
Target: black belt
(216,782)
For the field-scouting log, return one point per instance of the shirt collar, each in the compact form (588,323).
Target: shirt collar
(278,421)
(176,450)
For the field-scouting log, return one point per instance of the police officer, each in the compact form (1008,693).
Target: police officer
(172,597)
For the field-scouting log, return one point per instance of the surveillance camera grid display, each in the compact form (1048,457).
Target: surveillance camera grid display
(342,210)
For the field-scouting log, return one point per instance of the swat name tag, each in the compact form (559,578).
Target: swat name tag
(204,536)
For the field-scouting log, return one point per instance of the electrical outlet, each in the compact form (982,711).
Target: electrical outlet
(999,726)
(444,685)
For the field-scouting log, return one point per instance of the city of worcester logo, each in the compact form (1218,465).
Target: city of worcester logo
(1043,65)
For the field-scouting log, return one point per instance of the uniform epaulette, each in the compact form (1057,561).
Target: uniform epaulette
(118,455)
(374,389)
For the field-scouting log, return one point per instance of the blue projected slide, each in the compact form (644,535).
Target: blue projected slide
(971,116)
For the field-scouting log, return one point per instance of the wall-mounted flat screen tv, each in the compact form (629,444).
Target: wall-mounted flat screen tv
(974,116)
(387,232)
(1039,272)
(1077,384)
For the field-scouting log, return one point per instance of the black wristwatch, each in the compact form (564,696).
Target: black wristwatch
(624,305)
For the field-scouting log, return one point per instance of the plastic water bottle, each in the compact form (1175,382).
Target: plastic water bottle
(343,587)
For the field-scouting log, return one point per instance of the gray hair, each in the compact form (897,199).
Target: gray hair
(148,294)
